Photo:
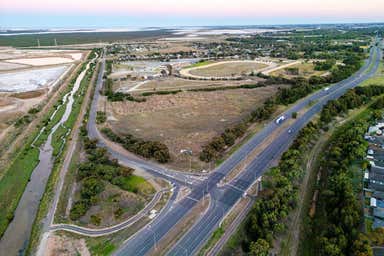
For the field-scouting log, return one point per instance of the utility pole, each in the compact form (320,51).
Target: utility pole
(190,162)
(55,42)
(38,43)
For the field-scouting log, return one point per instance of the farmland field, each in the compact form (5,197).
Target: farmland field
(76,38)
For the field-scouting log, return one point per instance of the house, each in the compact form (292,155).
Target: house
(374,176)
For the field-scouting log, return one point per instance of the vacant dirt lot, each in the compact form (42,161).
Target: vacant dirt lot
(64,245)
(227,69)
(187,120)
(13,106)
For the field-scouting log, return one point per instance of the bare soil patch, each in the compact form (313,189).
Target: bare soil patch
(64,245)
(29,95)
(41,61)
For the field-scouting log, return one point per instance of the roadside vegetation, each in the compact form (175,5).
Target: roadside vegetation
(146,149)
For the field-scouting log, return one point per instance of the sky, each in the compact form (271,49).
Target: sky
(143,13)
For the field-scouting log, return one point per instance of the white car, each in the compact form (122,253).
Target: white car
(280,119)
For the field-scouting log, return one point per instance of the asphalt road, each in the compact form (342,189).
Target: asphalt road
(224,198)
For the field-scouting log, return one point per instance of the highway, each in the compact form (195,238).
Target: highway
(225,197)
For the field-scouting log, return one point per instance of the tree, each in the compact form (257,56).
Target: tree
(259,248)
(207,154)
(91,187)
(162,155)
(78,209)
(125,171)
(361,246)
(229,138)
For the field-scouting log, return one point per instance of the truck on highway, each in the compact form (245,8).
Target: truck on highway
(280,119)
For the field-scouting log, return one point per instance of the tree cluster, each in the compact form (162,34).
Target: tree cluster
(339,211)
(338,219)
(100,117)
(218,144)
(147,149)
(324,65)
(93,173)
(353,98)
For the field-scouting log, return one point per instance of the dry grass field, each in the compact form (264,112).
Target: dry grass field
(305,70)
(227,69)
(187,120)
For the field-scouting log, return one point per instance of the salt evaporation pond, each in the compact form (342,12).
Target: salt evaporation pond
(30,80)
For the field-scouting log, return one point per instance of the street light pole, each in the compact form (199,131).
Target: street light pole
(190,162)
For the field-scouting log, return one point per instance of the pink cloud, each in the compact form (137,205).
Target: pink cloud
(206,8)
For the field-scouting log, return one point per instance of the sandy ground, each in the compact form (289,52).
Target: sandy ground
(185,120)
(7,53)
(42,61)
(63,245)
(4,66)
(31,79)
(76,56)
